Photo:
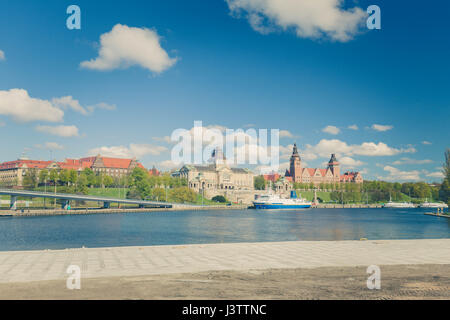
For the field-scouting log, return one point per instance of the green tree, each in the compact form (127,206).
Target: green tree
(182,195)
(220,199)
(64,177)
(73,177)
(30,180)
(43,176)
(108,181)
(259,183)
(444,192)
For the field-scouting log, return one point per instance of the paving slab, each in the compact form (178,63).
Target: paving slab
(26,266)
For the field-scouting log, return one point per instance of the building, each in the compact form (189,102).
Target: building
(218,178)
(331,174)
(153,172)
(12,172)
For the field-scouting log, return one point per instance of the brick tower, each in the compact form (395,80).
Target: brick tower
(295,169)
(333,164)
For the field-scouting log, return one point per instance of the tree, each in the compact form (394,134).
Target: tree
(64,176)
(54,176)
(108,181)
(182,195)
(43,175)
(444,192)
(73,177)
(220,199)
(158,194)
(259,183)
(30,179)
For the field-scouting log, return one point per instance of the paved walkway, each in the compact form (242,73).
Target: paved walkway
(24,266)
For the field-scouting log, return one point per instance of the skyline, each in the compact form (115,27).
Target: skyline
(377,98)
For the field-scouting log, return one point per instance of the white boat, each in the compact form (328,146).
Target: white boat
(402,205)
(435,205)
(391,204)
(272,201)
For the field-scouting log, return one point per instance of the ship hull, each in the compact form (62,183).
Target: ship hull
(280,206)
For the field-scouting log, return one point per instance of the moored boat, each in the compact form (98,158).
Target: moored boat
(272,201)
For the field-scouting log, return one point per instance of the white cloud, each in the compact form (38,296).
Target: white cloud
(398,175)
(286,134)
(350,162)
(411,161)
(382,128)
(281,169)
(169,165)
(353,127)
(437,174)
(132,151)
(50,146)
(69,103)
(103,106)
(2,55)
(21,107)
(426,142)
(325,147)
(165,139)
(309,19)
(331,130)
(61,131)
(125,46)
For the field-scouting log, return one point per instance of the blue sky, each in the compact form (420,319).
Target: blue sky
(224,71)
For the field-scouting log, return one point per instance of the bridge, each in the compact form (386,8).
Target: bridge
(67,197)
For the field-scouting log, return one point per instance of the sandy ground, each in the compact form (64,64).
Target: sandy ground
(397,282)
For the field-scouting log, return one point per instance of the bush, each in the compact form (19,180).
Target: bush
(220,199)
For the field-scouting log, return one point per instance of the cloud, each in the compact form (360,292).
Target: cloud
(103,106)
(69,103)
(437,174)
(398,175)
(426,142)
(61,131)
(22,108)
(309,19)
(331,130)
(50,146)
(125,46)
(168,164)
(2,55)
(353,127)
(382,128)
(411,161)
(350,162)
(325,147)
(271,169)
(286,134)
(165,139)
(132,151)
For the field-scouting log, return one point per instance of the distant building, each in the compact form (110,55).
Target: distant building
(331,174)
(12,172)
(154,172)
(218,178)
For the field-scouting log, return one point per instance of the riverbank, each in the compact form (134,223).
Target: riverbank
(276,270)
(84,211)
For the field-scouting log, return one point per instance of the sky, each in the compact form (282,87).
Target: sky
(138,70)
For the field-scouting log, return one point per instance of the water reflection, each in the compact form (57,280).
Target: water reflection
(183,227)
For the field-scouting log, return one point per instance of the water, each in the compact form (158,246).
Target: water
(216,226)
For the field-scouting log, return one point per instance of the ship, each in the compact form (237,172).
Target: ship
(402,205)
(436,205)
(272,201)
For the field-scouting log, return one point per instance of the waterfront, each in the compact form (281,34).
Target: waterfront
(216,226)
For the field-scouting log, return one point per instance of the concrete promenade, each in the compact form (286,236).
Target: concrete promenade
(26,266)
